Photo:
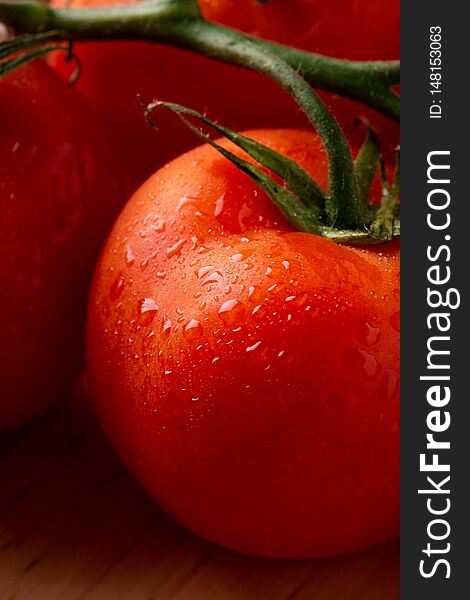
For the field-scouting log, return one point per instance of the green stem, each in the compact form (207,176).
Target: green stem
(227,45)
(169,21)
(177,23)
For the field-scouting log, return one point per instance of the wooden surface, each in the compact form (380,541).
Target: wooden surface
(74,526)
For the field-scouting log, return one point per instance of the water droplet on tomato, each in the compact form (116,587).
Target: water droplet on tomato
(358,360)
(166,328)
(389,384)
(211,276)
(148,309)
(219,205)
(159,225)
(185,201)
(253,347)
(145,263)
(203,271)
(117,287)
(175,249)
(130,256)
(367,333)
(301,299)
(231,311)
(192,330)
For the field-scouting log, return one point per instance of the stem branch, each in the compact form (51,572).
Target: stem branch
(175,22)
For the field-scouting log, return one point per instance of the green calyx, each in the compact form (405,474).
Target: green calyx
(299,198)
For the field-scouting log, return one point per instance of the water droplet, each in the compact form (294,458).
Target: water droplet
(130,256)
(355,359)
(301,299)
(145,263)
(192,330)
(286,264)
(238,257)
(254,347)
(200,273)
(147,309)
(244,213)
(268,271)
(158,226)
(117,287)
(148,305)
(185,201)
(367,333)
(219,205)
(208,276)
(389,384)
(231,311)
(175,249)
(166,328)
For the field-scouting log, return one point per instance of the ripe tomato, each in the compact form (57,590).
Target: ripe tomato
(246,373)
(113,73)
(353,29)
(57,202)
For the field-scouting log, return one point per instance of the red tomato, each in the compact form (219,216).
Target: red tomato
(353,29)
(246,373)
(114,73)
(57,202)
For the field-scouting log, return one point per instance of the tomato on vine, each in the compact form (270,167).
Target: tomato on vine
(248,373)
(113,74)
(58,198)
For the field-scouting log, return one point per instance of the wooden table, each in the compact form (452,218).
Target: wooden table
(74,526)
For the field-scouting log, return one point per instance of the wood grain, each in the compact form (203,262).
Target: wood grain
(74,526)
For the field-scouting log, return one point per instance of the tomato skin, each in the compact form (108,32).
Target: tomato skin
(57,202)
(245,373)
(357,30)
(114,73)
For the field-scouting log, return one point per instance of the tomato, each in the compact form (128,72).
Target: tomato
(357,30)
(57,203)
(113,73)
(246,373)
